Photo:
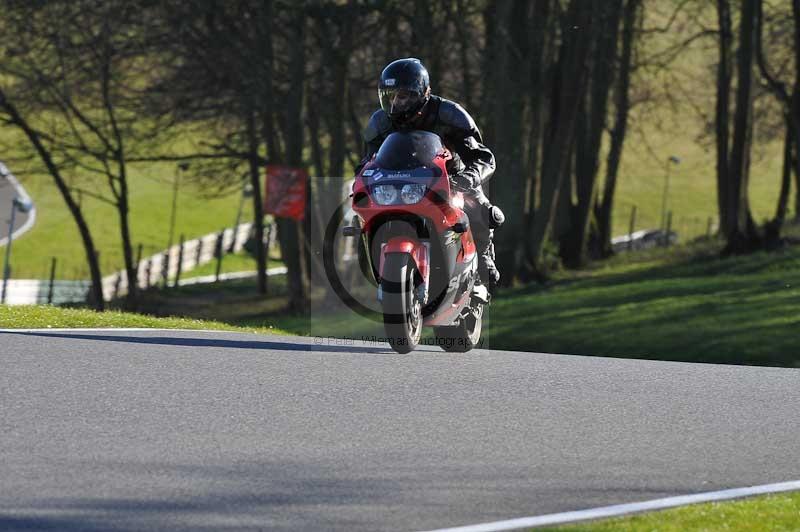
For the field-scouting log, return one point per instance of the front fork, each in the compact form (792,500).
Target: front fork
(420,253)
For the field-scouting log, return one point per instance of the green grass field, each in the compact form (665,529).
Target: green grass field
(760,514)
(688,305)
(55,233)
(233,262)
(45,317)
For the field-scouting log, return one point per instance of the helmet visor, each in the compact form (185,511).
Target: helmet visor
(398,101)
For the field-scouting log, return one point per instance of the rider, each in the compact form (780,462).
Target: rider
(407,103)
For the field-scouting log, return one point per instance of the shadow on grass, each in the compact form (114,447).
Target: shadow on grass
(752,327)
(740,310)
(694,261)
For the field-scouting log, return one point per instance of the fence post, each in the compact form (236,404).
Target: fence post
(267,242)
(117,282)
(198,252)
(138,263)
(669,228)
(148,272)
(218,253)
(90,295)
(631,227)
(165,268)
(52,281)
(233,240)
(180,264)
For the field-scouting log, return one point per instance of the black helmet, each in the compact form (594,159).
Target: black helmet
(404,89)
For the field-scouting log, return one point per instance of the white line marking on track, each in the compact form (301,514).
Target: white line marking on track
(624,509)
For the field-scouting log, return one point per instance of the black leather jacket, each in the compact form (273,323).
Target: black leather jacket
(472,161)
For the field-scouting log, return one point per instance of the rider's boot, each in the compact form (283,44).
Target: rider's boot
(484,217)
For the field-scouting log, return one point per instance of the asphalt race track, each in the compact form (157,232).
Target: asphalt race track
(7,194)
(178,430)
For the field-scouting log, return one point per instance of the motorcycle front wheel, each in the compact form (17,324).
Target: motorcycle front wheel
(402,311)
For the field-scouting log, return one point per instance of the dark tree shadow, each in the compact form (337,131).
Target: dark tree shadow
(263,496)
(305,345)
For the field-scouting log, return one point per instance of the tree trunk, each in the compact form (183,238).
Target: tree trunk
(570,84)
(131,267)
(742,236)
(722,114)
(540,46)
(258,206)
(573,248)
(464,42)
(508,86)
(265,41)
(604,209)
(772,230)
(795,109)
(292,241)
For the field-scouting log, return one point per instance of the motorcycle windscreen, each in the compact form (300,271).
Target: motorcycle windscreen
(407,154)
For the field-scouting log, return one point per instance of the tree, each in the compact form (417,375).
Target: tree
(14,118)
(740,229)
(76,68)
(604,204)
(788,100)
(504,100)
(795,109)
(722,114)
(578,32)
(293,240)
(573,243)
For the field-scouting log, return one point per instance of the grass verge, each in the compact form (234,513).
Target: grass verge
(44,317)
(684,304)
(769,513)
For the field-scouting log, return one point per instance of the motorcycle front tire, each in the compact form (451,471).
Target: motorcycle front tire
(402,311)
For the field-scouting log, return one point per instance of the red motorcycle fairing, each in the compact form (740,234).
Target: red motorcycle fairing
(434,206)
(444,258)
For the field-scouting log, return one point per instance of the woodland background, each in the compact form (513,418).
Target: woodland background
(564,91)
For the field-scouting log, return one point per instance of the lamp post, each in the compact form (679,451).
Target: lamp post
(672,160)
(23,205)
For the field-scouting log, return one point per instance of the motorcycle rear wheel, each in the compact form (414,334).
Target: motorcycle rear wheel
(464,336)
(402,311)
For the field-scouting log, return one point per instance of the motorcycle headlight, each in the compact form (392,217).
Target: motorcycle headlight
(384,194)
(412,193)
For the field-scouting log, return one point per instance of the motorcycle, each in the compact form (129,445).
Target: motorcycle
(416,244)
